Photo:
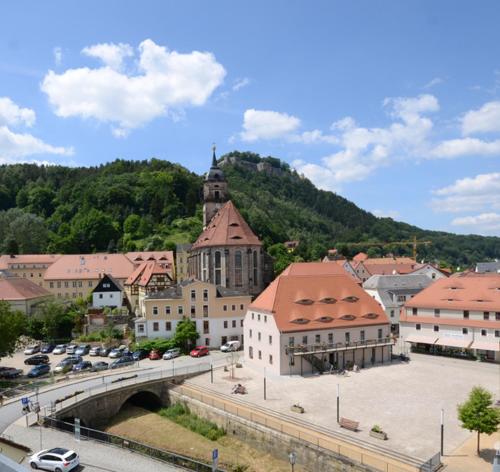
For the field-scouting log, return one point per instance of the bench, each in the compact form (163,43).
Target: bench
(349,424)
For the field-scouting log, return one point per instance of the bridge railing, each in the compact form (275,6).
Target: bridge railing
(110,384)
(162,455)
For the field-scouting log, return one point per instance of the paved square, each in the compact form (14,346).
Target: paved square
(404,399)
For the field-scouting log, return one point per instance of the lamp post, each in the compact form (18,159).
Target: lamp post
(265,393)
(442,432)
(292,457)
(338,403)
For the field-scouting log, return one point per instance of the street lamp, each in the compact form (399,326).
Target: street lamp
(292,457)
(338,403)
(442,432)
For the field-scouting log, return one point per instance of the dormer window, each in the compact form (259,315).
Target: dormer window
(304,301)
(328,300)
(370,316)
(235,237)
(300,321)
(348,317)
(324,319)
(350,299)
(233,224)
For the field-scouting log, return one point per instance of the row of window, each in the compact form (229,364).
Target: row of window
(486,314)
(180,310)
(31,275)
(74,284)
(259,354)
(205,295)
(73,295)
(484,332)
(233,324)
(258,317)
(347,337)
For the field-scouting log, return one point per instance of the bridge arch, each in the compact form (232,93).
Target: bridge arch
(145,399)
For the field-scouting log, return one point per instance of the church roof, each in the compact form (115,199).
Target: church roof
(227,228)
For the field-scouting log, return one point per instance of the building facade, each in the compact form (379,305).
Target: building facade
(315,317)
(28,266)
(217,312)
(393,291)
(181,262)
(107,293)
(458,316)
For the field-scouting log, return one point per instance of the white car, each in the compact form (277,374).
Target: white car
(230,346)
(55,460)
(171,353)
(33,349)
(59,349)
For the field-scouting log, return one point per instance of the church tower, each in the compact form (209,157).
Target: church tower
(214,191)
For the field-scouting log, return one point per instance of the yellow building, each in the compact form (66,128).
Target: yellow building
(28,266)
(217,312)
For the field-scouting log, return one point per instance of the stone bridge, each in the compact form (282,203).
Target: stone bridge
(96,407)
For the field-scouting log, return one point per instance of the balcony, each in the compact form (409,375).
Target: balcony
(301,350)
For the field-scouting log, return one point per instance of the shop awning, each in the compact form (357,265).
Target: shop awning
(453,342)
(416,338)
(486,346)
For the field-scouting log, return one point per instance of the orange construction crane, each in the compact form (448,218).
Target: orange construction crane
(413,242)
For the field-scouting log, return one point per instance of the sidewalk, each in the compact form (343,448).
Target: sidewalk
(464,458)
(95,457)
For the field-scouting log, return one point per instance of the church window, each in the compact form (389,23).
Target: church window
(218,268)
(255,269)
(238,279)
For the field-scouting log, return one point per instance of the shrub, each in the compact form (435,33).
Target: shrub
(179,413)
(376,428)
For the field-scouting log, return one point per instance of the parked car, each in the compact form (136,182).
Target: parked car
(37,359)
(104,352)
(67,364)
(71,348)
(59,349)
(82,366)
(98,366)
(171,353)
(122,362)
(199,351)
(95,351)
(154,355)
(140,354)
(82,350)
(56,460)
(47,348)
(32,349)
(115,353)
(10,373)
(230,346)
(39,370)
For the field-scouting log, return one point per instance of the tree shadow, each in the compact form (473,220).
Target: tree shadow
(487,455)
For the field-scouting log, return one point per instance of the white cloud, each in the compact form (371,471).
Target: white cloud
(465,147)
(240,83)
(312,137)
(432,83)
(484,120)
(386,214)
(16,147)
(479,193)
(112,55)
(165,82)
(266,124)
(13,115)
(485,223)
(57,55)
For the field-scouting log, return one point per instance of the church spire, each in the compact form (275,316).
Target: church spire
(214,157)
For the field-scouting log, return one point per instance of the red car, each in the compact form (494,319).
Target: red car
(199,351)
(154,355)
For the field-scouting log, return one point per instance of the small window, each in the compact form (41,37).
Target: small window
(250,333)
(437,312)
(225,309)
(436,328)
(140,328)
(100,296)
(362,335)
(241,307)
(304,301)
(415,311)
(380,333)
(167,310)
(225,327)
(193,295)
(497,333)
(330,338)
(234,323)
(250,352)
(486,315)
(418,327)
(497,315)
(270,339)
(193,311)
(233,307)
(260,354)
(291,341)
(205,295)
(258,317)
(466,314)
(270,358)
(156,326)
(465,331)
(392,313)
(484,332)
(241,323)
(304,340)
(155,310)
(205,311)
(168,326)
(259,336)
(350,299)
(180,309)
(347,338)
(265,318)
(348,317)
(317,339)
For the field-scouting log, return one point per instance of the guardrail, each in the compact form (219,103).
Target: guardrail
(301,349)
(162,455)
(310,432)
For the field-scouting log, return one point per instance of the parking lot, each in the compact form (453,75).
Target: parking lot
(405,400)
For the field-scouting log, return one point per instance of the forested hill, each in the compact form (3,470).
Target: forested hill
(127,205)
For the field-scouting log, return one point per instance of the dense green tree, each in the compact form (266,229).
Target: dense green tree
(131,224)
(12,325)
(185,334)
(93,230)
(478,414)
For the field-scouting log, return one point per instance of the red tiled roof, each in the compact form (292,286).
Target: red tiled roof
(321,294)
(360,256)
(6,260)
(389,268)
(90,266)
(142,275)
(389,260)
(464,293)
(19,288)
(227,228)
(139,257)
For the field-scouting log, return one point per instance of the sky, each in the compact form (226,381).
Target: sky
(393,105)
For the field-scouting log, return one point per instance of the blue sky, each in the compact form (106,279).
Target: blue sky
(394,105)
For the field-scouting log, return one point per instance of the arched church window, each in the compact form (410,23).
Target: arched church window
(218,268)
(255,269)
(238,279)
